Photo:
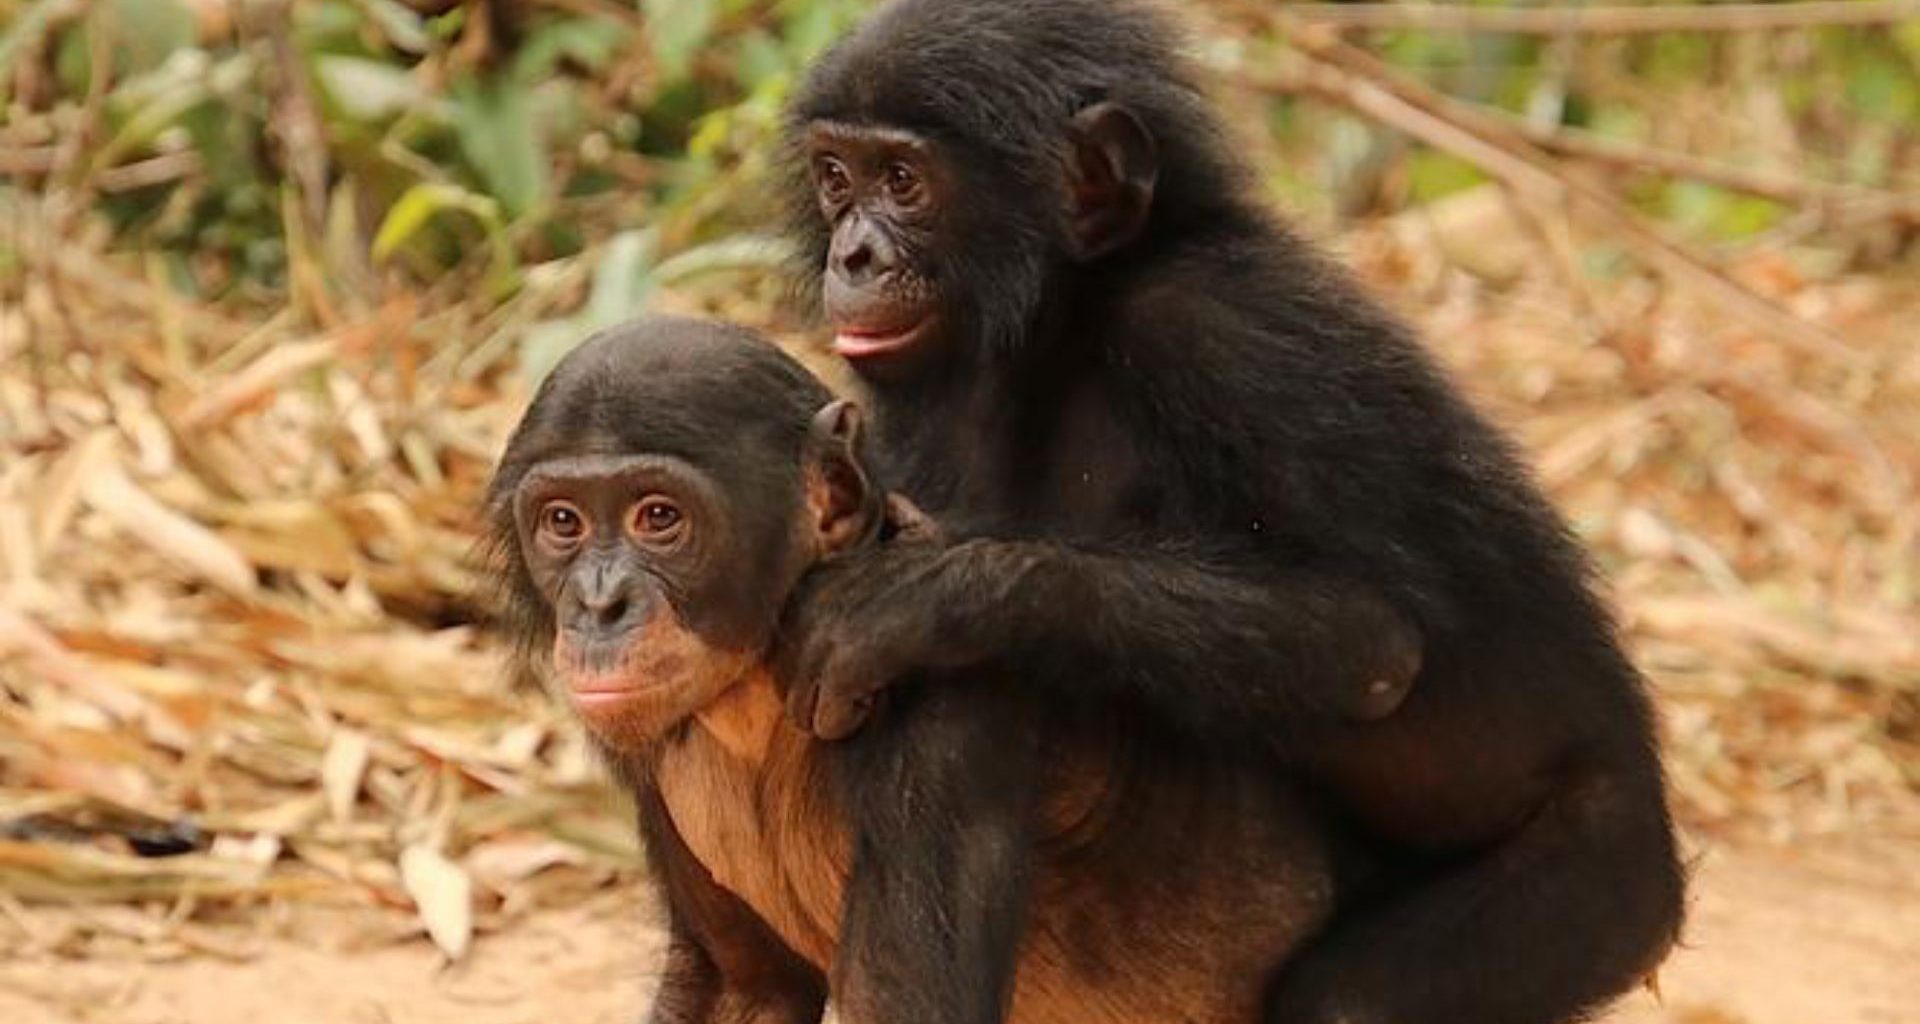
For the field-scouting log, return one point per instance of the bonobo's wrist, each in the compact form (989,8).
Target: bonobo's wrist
(1009,595)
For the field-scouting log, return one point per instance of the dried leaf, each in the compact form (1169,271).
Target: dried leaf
(443,894)
(256,383)
(172,535)
(341,770)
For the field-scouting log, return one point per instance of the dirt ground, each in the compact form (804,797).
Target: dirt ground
(1826,932)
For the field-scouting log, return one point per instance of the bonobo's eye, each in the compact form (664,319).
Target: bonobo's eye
(561,523)
(903,185)
(833,180)
(656,520)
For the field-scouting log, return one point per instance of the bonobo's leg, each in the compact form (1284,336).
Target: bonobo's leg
(724,965)
(1578,906)
(941,791)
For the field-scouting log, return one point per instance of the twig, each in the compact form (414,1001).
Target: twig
(27,161)
(296,113)
(1354,78)
(624,13)
(151,171)
(1781,188)
(1612,20)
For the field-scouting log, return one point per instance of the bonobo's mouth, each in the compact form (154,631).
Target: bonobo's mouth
(597,696)
(600,678)
(868,341)
(634,691)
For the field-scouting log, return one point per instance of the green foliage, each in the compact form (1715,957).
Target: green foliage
(631,139)
(452,158)
(623,280)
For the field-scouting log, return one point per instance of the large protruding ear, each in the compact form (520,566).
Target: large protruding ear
(1110,178)
(845,507)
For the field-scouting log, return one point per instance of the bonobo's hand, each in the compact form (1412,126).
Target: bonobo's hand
(1392,663)
(859,621)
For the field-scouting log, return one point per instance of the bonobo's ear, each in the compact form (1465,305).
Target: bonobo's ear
(1110,179)
(843,503)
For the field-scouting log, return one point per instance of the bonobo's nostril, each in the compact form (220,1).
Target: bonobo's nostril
(610,613)
(855,263)
(601,597)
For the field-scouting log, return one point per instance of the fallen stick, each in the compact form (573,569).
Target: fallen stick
(1610,20)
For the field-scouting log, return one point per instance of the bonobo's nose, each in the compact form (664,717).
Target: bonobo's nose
(856,263)
(601,599)
(861,251)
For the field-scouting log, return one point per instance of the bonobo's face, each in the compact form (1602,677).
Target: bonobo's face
(626,550)
(883,194)
(658,577)
(933,246)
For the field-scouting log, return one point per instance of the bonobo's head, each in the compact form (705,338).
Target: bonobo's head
(670,483)
(952,161)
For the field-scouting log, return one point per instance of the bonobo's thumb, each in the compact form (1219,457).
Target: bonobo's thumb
(906,522)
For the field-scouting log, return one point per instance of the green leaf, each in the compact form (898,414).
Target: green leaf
(150,30)
(588,42)
(162,98)
(1432,175)
(1879,87)
(370,90)
(420,204)
(623,281)
(1906,36)
(677,28)
(498,134)
(404,28)
(812,26)
(25,30)
(757,59)
(735,253)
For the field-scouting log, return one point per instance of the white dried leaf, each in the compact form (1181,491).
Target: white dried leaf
(200,550)
(341,770)
(443,894)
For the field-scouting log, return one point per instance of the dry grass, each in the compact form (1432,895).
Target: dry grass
(236,579)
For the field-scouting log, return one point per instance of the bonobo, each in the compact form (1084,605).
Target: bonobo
(670,484)
(1190,472)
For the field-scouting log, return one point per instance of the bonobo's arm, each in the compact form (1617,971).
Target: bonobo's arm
(724,964)
(1205,646)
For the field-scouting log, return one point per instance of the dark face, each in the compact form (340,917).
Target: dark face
(622,548)
(662,577)
(914,245)
(882,193)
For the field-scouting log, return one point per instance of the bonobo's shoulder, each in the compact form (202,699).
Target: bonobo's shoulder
(1267,340)
(1264,301)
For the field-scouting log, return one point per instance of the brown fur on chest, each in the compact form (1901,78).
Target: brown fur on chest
(748,794)
(1183,927)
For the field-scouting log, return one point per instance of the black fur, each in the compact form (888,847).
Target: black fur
(1199,479)
(994,828)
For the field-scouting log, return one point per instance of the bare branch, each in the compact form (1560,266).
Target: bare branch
(1557,19)
(1352,77)
(1781,188)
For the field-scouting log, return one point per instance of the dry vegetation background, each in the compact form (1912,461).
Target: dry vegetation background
(275,278)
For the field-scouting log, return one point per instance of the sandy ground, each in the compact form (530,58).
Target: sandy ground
(1822,933)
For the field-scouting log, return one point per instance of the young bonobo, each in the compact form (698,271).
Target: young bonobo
(1191,474)
(670,484)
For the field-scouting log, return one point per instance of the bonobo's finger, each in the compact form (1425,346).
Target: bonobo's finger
(800,670)
(909,523)
(836,717)
(1380,697)
(1402,653)
(802,695)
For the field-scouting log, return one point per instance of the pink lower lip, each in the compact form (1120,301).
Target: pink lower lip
(860,345)
(601,706)
(601,691)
